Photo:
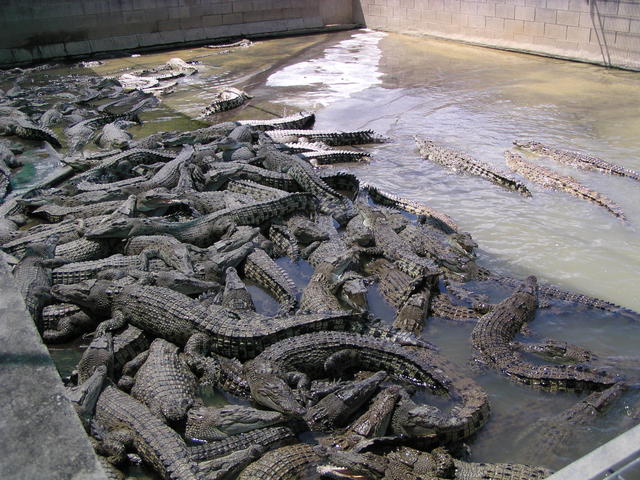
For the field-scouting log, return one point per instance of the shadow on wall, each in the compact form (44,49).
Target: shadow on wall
(598,28)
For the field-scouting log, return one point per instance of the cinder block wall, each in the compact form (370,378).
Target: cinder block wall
(32,30)
(600,31)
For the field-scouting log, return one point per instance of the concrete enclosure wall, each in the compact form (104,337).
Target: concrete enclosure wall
(600,31)
(42,29)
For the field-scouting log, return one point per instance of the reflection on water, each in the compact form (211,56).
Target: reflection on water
(476,100)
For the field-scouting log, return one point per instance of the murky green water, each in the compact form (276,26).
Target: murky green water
(477,100)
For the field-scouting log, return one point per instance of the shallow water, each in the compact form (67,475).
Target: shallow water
(476,100)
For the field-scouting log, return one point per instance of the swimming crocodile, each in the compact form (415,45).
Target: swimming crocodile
(494,331)
(461,162)
(332,138)
(550,179)
(576,159)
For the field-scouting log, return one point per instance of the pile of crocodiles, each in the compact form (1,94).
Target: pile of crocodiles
(148,250)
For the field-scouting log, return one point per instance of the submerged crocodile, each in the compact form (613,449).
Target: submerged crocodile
(461,162)
(550,179)
(494,331)
(577,159)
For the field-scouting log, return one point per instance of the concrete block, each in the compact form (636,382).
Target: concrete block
(525,13)
(121,42)
(494,24)
(617,24)
(534,28)
(506,11)
(558,4)
(240,6)
(578,6)
(487,9)
(634,26)
(443,17)
(536,3)
(588,21)
(568,18)
(469,7)
(231,18)
(628,42)
(82,47)
(211,20)
(629,9)
(452,6)
(578,34)
(558,32)
(52,51)
(22,55)
(193,34)
(436,4)
(149,39)
(477,21)
(95,7)
(545,15)
(6,57)
(412,3)
(514,26)
(460,19)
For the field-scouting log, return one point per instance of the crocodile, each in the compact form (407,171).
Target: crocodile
(235,296)
(63,322)
(441,306)
(335,409)
(394,247)
(434,217)
(227,99)
(410,317)
(239,171)
(332,138)
(128,421)
(494,331)
(296,121)
(263,270)
(189,137)
(5,179)
(461,162)
(173,252)
(65,231)
(163,381)
(84,396)
(253,189)
(314,354)
(376,420)
(79,271)
(547,291)
(167,176)
(285,243)
(113,351)
(330,157)
(57,213)
(292,462)
(551,435)
(203,230)
(29,130)
(331,202)
(33,279)
(113,136)
(407,463)
(175,317)
(319,294)
(550,179)
(577,159)
(211,424)
(267,438)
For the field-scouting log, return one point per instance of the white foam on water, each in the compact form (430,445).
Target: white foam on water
(346,68)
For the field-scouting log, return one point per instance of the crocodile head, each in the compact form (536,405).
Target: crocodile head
(527,145)
(211,424)
(94,295)
(84,396)
(352,465)
(123,227)
(156,198)
(270,390)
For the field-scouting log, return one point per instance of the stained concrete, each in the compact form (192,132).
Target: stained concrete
(40,433)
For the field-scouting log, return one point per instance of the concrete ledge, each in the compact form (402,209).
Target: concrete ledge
(42,436)
(604,460)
